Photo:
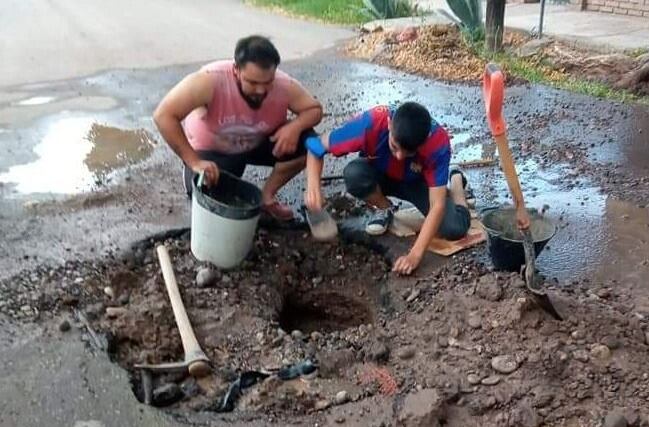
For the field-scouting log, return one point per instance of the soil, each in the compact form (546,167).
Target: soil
(460,345)
(441,52)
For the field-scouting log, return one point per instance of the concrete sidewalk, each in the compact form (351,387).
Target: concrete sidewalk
(568,22)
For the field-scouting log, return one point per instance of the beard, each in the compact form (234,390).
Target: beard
(253,101)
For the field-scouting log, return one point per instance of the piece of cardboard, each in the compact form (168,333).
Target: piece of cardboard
(408,222)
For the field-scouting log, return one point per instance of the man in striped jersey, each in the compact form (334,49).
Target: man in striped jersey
(405,154)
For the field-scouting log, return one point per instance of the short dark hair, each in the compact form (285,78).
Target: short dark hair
(411,125)
(256,49)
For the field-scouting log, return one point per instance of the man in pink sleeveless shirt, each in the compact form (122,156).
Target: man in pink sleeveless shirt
(230,114)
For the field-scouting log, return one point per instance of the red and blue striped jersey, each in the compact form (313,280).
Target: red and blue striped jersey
(368,134)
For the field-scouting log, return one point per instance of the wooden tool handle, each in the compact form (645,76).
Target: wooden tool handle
(194,355)
(493,91)
(507,163)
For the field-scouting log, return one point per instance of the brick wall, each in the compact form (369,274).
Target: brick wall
(620,7)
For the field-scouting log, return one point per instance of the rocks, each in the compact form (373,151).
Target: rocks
(491,380)
(115,312)
(341,397)
(601,353)
(405,353)
(110,293)
(615,418)
(339,419)
(424,408)
(525,416)
(321,405)
(316,336)
(504,364)
(378,352)
(206,277)
(543,396)
(474,321)
(473,379)
(646,337)
(489,289)
(581,355)
(297,335)
(611,342)
(167,394)
(578,335)
(64,326)
(480,404)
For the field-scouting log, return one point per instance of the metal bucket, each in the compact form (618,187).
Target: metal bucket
(505,241)
(224,220)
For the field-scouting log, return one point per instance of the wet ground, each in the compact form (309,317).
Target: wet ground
(581,160)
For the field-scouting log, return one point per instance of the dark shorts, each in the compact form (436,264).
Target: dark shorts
(236,164)
(361,180)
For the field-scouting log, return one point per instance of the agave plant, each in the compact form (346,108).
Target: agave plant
(387,9)
(470,14)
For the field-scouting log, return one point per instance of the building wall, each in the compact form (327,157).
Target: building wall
(620,7)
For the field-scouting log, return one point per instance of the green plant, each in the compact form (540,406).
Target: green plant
(470,14)
(388,9)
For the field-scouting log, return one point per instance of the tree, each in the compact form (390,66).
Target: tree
(495,24)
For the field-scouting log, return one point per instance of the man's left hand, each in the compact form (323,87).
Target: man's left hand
(286,139)
(406,264)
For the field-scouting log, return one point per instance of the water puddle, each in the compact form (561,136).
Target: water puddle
(77,153)
(36,100)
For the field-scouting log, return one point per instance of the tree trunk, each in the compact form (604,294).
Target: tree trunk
(495,23)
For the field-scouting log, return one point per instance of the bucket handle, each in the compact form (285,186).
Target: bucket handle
(201,179)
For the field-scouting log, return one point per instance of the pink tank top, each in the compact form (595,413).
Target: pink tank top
(228,125)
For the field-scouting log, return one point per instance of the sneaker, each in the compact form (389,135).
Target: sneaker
(468,191)
(380,221)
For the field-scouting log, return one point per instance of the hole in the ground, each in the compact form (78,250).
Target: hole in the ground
(306,286)
(324,312)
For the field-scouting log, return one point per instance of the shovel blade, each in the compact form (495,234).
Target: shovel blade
(540,297)
(322,225)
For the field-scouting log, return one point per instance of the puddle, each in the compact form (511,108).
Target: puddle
(37,100)
(77,153)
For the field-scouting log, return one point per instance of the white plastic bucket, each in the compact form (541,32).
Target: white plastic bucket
(224,220)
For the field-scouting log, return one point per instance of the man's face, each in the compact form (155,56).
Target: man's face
(254,83)
(395,148)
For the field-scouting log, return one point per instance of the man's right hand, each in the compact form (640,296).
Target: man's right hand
(210,170)
(313,198)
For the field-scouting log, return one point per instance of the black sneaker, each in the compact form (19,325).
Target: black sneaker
(380,221)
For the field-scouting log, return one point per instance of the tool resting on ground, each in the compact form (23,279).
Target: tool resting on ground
(493,91)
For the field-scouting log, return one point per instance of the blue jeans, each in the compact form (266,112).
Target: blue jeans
(361,180)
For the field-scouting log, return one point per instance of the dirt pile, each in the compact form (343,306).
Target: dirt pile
(458,346)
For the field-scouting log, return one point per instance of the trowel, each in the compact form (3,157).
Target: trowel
(493,90)
(322,225)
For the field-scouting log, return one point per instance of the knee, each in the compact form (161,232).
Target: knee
(359,179)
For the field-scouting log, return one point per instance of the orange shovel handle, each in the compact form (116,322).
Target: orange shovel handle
(493,90)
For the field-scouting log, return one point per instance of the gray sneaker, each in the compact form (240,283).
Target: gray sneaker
(380,221)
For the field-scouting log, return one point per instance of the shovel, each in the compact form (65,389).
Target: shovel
(322,225)
(493,90)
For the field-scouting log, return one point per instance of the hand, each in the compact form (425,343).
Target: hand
(313,198)
(407,264)
(522,219)
(285,139)
(210,170)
